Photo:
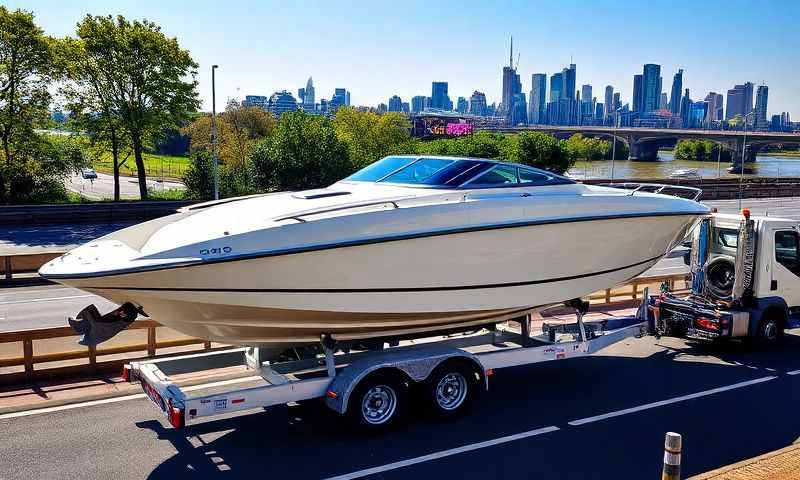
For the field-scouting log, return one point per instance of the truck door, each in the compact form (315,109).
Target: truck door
(786,267)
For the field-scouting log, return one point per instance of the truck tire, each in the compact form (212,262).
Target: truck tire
(450,389)
(378,403)
(770,329)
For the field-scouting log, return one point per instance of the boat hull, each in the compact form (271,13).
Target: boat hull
(395,287)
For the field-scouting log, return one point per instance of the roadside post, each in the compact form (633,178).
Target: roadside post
(672,456)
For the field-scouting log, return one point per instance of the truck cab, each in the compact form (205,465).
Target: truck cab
(745,274)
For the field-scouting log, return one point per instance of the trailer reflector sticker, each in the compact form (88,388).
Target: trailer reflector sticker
(237,400)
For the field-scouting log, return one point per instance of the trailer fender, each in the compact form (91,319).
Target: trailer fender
(416,364)
(763,306)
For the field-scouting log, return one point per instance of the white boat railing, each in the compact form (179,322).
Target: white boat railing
(663,188)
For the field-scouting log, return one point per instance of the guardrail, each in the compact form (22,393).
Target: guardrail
(98,358)
(100,212)
(25,263)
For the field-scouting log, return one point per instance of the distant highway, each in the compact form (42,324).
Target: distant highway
(102,187)
(49,305)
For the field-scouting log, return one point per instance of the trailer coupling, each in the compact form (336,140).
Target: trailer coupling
(97,328)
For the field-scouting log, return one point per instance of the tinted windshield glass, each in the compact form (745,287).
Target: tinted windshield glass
(380,169)
(419,171)
(728,237)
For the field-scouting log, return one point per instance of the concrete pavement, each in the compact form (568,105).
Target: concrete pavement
(597,417)
(102,187)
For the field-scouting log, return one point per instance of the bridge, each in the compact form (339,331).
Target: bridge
(643,143)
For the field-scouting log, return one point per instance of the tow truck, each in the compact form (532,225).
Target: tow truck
(745,282)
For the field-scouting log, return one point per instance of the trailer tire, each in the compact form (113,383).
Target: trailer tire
(379,402)
(770,329)
(450,389)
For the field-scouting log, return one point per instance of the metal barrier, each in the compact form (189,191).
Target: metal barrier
(30,359)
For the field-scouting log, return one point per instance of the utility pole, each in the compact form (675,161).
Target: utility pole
(214,132)
(741,165)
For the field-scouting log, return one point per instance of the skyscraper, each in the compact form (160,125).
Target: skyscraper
(586,100)
(395,104)
(663,102)
(309,99)
(519,112)
(761,107)
(608,104)
(651,87)
(439,97)
(569,82)
(686,106)
(339,98)
(740,100)
(617,102)
(462,105)
(280,103)
(511,85)
(255,101)
(675,97)
(637,93)
(715,107)
(477,103)
(419,103)
(556,86)
(538,100)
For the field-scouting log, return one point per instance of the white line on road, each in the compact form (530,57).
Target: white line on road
(444,453)
(28,292)
(49,299)
(27,413)
(661,403)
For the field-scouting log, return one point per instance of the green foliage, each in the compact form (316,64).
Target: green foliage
(479,145)
(370,137)
(702,150)
(199,177)
(539,150)
(169,194)
(42,166)
(303,152)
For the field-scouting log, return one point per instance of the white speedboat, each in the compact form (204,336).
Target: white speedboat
(407,245)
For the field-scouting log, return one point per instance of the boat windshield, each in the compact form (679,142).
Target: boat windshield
(453,173)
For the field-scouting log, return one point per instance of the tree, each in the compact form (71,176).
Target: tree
(537,149)
(151,80)
(370,137)
(89,93)
(303,152)
(26,67)
(238,130)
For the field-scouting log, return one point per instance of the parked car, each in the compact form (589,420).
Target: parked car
(88,173)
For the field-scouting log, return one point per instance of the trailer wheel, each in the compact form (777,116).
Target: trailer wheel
(770,330)
(450,389)
(378,402)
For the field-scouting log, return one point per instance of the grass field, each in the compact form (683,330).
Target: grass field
(168,166)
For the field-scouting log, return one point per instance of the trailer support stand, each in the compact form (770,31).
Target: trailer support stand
(328,344)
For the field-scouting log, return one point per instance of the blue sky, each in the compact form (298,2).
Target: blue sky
(379,48)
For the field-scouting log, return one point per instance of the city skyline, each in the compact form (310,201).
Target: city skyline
(331,46)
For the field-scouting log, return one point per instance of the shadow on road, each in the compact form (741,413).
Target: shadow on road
(308,441)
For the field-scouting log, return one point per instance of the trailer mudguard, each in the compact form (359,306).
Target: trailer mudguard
(416,362)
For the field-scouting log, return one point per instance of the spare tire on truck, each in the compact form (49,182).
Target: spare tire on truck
(720,274)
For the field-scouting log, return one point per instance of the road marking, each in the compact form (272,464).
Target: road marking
(135,396)
(444,453)
(49,299)
(793,372)
(28,292)
(661,403)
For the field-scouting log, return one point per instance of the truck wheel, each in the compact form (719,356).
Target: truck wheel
(450,389)
(377,403)
(770,330)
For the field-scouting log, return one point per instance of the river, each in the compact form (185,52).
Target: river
(764,166)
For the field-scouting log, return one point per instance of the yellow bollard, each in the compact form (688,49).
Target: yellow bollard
(672,456)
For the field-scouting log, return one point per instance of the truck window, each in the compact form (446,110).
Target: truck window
(786,246)
(728,237)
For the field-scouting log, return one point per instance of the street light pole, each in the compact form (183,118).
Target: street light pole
(741,164)
(214,132)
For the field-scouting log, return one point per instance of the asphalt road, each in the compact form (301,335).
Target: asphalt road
(596,417)
(103,186)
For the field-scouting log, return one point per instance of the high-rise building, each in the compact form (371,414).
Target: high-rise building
(512,85)
(519,107)
(406,107)
(382,108)
(439,97)
(686,107)
(715,107)
(477,103)
(255,101)
(609,104)
(395,104)
(586,100)
(556,86)
(280,103)
(598,112)
(663,103)
(637,93)
(569,82)
(339,99)
(308,97)
(347,98)
(537,106)
(740,100)
(651,87)
(761,107)
(675,97)
(419,103)
(462,105)
(617,102)
(698,114)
